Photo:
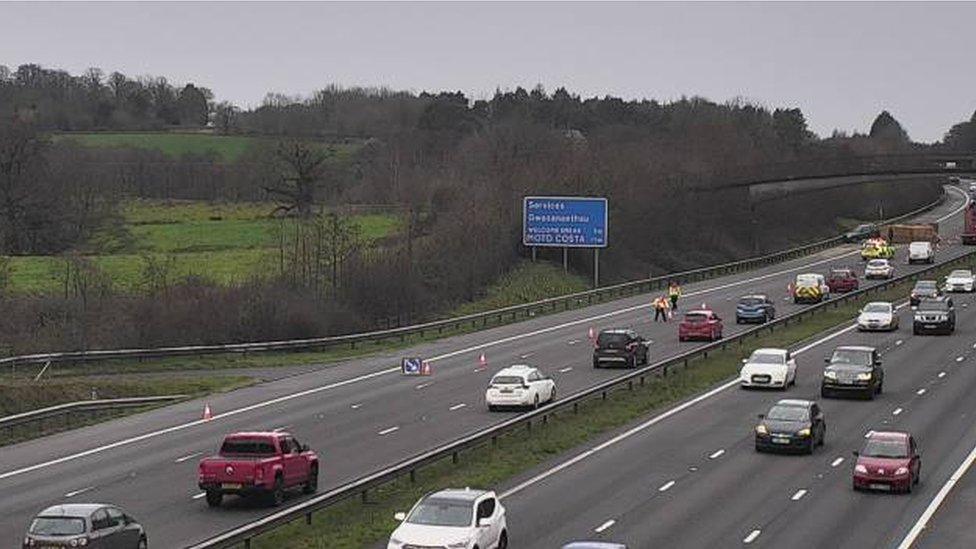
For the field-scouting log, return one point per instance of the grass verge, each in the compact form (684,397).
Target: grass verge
(356,524)
(526,283)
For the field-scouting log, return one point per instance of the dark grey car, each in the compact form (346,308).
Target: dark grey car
(853,369)
(934,316)
(89,525)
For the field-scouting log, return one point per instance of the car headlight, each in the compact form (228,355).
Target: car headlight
(860,468)
(830,374)
(459,544)
(804,432)
(864,377)
(901,471)
(761,429)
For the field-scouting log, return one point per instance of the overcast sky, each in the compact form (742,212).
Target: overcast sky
(840,63)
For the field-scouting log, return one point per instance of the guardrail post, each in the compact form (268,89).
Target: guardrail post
(247,543)
(308,519)
(630,385)
(575,407)
(454,457)
(413,475)
(365,497)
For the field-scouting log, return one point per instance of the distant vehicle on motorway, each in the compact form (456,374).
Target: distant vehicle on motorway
(519,385)
(877,315)
(921,252)
(768,368)
(924,289)
(862,232)
(619,346)
(842,279)
(810,288)
(594,545)
(960,280)
(791,425)
(754,308)
(89,525)
(262,464)
(461,519)
(889,461)
(877,248)
(853,369)
(700,324)
(934,316)
(879,268)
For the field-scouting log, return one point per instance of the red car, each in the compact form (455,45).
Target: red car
(258,464)
(842,280)
(889,461)
(700,324)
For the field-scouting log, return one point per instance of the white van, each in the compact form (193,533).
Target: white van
(921,252)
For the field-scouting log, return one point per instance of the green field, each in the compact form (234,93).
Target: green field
(226,243)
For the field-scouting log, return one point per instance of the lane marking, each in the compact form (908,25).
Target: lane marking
(280,429)
(920,392)
(837,462)
(526,355)
(599,529)
(315,390)
(752,536)
(200,495)
(187,458)
(457,406)
(666,486)
(960,358)
(899,342)
(566,369)
(798,495)
(76,492)
(385,432)
(573,341)
(896,412)
(942,375)
(422,385)
(717,454)
(356,406)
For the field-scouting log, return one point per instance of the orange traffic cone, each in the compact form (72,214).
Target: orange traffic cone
(592,333)
(207,414)
(482,360)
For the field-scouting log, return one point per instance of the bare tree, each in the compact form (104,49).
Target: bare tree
(298,167)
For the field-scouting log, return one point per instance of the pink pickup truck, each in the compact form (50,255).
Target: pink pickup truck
(262,464)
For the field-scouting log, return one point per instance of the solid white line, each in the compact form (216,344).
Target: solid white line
(837,462)
(752,536)
(717,454)
(799,494)
(937,501)
(316,390)
(186,458)
(457,406)
(604,526)
(896,412)
(76,492)
(200,495)
(666,486)
(566,369)
(385,432)
(920,392)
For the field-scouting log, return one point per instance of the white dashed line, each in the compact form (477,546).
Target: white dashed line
(942,375)
(385,432)
(896,412)
(799,494)
(526,355)
(566,369)
(717,454)
(457,406)
(604,526)
(920,392)
(752,536)
(960,358)
(837,462)
(356,406)
(187,458)
(899,342)
(422,385)
(200,495)
(666,486)
(76,492)
(573,341)
(279,429)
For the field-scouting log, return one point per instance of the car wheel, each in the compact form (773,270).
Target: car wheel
(492,408)
(535,402)
(313,481)
(143,544)
(758,449)
(880,386)
(596,363)
(811,446)
(870,393)
(738,320)
(214,497)
(278,492)
(552,395)
(824,393)
(823,436)
(503,540)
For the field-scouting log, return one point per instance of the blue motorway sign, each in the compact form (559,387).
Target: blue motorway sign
(564,221)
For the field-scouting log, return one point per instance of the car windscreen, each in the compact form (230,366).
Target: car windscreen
(840,273)
(751,301)
(877,263)
(442,512)
(851,356)
(877,308)
(787,413)
(807,281)
(918,246)
(766,358)
(506,380)
(247,447)
(696,318)
(882,448)
(57,526)
(960,274)
(933,305)
(612,339)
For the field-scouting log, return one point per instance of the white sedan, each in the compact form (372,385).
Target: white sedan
(519,385)
(960,280)
(768,368)
(461,519)
(879,268)
(878,315)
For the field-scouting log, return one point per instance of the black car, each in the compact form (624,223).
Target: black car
(853,370)
(934,316)
(862,232)
(754,308)
(791,425)
(924,289)
(89,525)
(619,347)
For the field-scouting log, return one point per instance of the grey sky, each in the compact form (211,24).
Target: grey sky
(840,63)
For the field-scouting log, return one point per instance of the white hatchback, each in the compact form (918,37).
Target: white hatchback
(960,280)
(768,368)
(459,519)
(519,385)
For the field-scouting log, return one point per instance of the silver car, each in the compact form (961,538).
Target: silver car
(88,525)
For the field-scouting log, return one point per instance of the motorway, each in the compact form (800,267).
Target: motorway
(361,415)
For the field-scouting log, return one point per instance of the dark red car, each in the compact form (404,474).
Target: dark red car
(700,324)
(258,464)
(889,461)
(842,280)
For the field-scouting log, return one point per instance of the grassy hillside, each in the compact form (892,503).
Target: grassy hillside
(526,283)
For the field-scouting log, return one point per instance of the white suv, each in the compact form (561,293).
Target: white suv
(519,385)
(459,519)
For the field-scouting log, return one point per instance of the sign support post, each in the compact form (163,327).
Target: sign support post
(565,259)
(596,268)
